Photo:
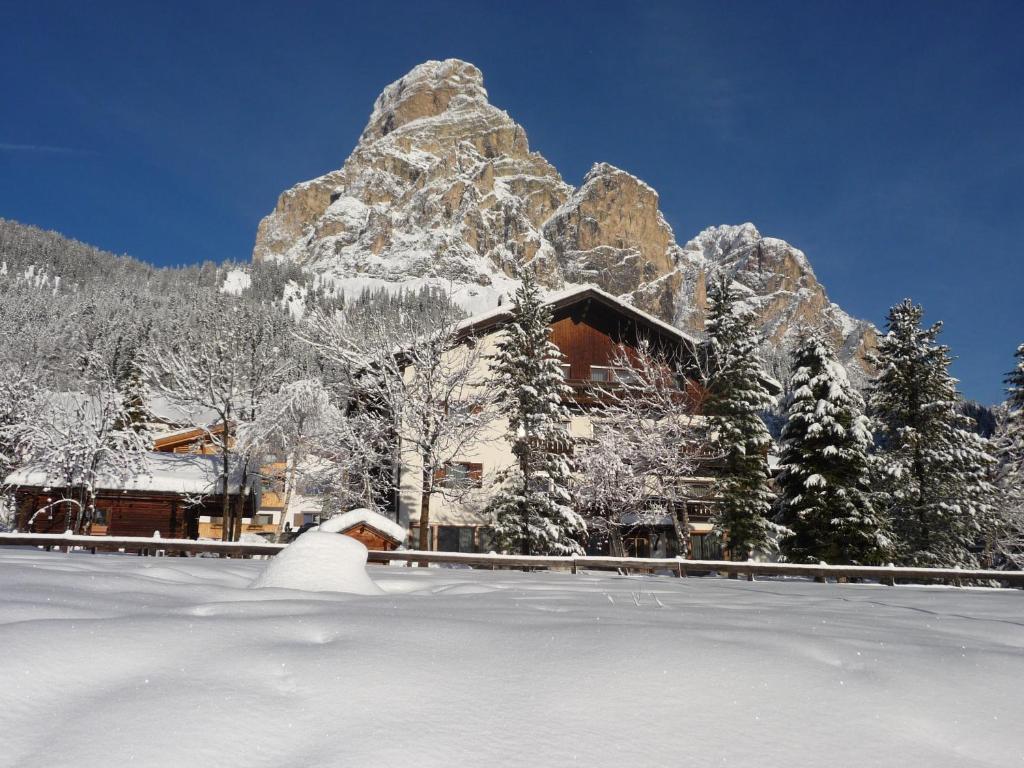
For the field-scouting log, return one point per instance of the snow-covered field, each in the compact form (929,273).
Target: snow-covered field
(110,660)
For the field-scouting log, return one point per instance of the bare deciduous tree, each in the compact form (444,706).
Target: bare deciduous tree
(223,365)
(423,379)
(649,435)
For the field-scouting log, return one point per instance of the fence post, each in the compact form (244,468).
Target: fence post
(889,581)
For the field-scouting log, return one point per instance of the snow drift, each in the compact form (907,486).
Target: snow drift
(320,562)
(112,660)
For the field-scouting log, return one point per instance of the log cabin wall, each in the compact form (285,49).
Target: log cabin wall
(126,514)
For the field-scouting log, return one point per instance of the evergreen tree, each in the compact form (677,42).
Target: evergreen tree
(936,493)
(737,395)
(823,482)
(1008,540)
(532,509)
(129,369)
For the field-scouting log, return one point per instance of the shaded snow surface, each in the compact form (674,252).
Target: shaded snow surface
(320,562)
(116,660)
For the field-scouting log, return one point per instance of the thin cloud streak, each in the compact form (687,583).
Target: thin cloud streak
(6,147)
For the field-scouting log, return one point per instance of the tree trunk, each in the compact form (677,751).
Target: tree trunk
(68,506)
(524,469)
(239,512)
(682,531)
(425,494)
(686,529)
(226,526)
(615,544)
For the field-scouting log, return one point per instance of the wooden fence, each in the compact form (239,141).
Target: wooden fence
(674,566)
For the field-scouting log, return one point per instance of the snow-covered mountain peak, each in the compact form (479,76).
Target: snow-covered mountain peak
(428,91)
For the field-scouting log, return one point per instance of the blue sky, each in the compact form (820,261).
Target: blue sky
(882,138)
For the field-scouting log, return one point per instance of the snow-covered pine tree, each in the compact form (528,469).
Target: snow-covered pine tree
(823,482)
(737,395)
(129,366)
(937,494)
(1009,475)
(532,509)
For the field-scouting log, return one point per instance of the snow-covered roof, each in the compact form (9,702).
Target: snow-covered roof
(160,473)
(165,410)
(347,520)
(570,296)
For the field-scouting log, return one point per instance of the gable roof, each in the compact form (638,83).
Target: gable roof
(346,521)
(567,298)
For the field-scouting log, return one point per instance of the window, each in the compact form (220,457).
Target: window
(626,376)
(599,373)
(263,519)
(637,546)
(461,474)
(455,538)
(706,546)
(566,370)
(485,540)
(100,516)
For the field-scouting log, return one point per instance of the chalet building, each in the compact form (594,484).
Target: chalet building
(168,494)
(588,326)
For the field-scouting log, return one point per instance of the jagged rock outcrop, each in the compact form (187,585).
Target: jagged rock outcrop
(443,189)
(781,288)
(611,232)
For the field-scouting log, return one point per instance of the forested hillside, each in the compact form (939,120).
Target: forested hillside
(61,298)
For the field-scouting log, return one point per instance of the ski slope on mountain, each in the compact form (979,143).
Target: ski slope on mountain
(116,660)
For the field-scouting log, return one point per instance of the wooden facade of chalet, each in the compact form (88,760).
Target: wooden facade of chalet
(589,327)
(118,513)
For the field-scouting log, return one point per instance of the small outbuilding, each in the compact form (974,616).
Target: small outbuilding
(371,528)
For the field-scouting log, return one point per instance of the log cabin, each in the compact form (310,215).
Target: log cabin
(167,494)
(588,326)
(371,528)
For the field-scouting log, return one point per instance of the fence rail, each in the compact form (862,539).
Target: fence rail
(676,566)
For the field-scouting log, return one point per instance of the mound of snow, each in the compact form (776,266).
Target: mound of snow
(320,562)
(347,520)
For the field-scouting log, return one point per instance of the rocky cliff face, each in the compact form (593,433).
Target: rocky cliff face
(781,288)
(443,189)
